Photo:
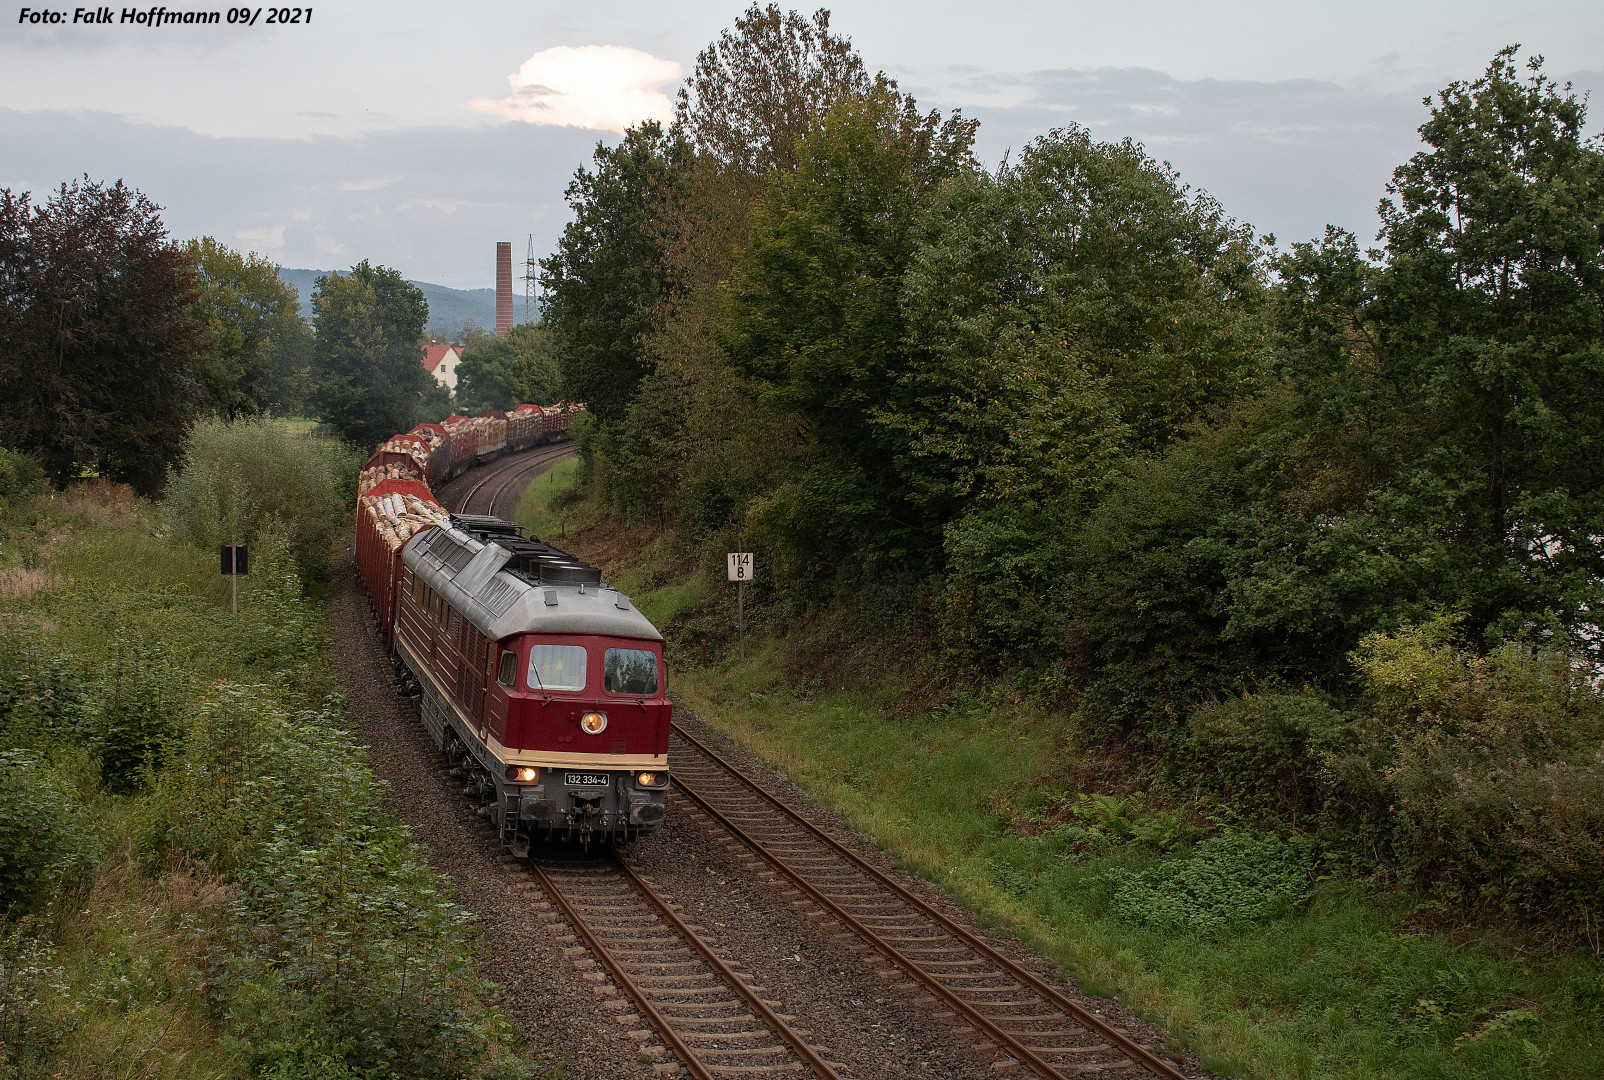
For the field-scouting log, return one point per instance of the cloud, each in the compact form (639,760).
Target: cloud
(264,240)
(373,184)
(1288,155)
(483,184)
(600,87)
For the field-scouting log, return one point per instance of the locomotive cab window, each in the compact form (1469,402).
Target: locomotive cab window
(630,671)
(509,668)
(557,667)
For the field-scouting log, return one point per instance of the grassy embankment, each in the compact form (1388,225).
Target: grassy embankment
(199,876)
(983,794)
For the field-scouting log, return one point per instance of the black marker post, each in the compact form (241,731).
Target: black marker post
(235,560)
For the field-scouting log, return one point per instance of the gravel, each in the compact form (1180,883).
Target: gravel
(867,1016)
(561,1016)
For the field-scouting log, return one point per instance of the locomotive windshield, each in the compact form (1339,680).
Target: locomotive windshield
(630,671)
(557,667)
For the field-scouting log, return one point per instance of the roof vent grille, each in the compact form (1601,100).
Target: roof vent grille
(499,596)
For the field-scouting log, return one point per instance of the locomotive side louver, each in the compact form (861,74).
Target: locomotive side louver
(498,596)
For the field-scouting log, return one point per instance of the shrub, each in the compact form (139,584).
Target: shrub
(238,476)
(1274,752)
(345,951)
(38,841)
(1497,774)
(20,476)
(41,700)
(34,1006)
(349,949)
(140,695)
(998,606)
(1227,882)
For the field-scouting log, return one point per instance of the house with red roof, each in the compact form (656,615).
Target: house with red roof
(441,361)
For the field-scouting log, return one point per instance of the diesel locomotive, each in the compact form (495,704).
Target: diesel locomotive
(542,685)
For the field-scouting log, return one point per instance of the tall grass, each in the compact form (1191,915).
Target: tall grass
(197,833)
(1328,979)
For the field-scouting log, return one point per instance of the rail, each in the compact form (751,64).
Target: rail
(1028,1056)
(807,1057)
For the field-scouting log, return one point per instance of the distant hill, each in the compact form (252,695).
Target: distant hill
(448,308)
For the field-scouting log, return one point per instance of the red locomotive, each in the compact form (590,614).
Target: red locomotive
(542,684)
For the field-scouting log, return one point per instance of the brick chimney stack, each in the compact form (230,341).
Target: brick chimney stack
(503,288)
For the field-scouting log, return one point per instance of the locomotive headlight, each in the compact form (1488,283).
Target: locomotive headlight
(526,774)
(593,723)
(652,779)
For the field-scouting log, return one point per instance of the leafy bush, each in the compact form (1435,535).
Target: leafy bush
(240,476)
(344,947)
(997,604)
(1497,774)
(34,1006)
(139,695)
(38,841)
(1277,752)
(1227,882)
(20,476)
(349,949)
(1145,596)
(41,700)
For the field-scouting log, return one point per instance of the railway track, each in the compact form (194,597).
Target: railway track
(710,1015)
(500,479)
(1041,1028)
(716,1022)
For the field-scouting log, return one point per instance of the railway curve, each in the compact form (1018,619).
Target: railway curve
(711,1012)
(1028,1018)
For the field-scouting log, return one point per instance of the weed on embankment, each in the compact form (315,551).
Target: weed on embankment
(197,875)
(1251,953)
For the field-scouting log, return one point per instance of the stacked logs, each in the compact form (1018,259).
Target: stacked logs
(371,477)
(398,517)
(408,444)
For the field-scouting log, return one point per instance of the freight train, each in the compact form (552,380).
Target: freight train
(542,685)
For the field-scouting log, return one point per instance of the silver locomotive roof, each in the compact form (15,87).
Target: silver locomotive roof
(468,574)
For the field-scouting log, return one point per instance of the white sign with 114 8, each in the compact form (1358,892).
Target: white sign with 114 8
(740,565)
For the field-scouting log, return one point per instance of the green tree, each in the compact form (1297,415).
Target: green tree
(97,332)
(257,347)
(606,276)
(1446,451)
(1434,445)
(1094,263)
(1077,307)
(694,446)
(369,382)
(505,372)
(1492,305)
(815,321)
(763,87)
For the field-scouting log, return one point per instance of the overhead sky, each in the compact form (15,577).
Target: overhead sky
(418,135)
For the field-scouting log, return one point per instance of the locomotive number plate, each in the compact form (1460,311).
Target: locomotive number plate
(587,779)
